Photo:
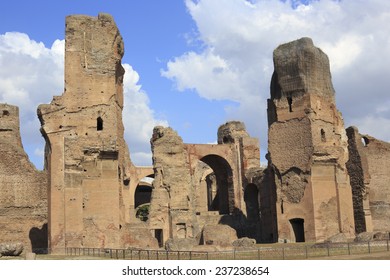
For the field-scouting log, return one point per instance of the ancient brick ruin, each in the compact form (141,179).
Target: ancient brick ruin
(307,147)
(321,179)
(23,189)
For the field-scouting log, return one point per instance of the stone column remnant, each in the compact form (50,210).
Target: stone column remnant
(171,210)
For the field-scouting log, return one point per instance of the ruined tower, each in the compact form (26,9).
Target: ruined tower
(307,147)
(23,189)
(86,155)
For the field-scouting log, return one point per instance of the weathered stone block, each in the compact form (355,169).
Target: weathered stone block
(219,235)
(11,249)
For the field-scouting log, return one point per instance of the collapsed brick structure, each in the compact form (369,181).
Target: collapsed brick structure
(318,182)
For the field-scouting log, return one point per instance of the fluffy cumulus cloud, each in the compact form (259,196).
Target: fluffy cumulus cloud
(30,75)
(33,74)
(237,38)
(139,119)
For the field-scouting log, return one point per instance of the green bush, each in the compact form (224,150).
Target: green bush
(143,212)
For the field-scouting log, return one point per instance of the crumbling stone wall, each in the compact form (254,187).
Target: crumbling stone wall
(360,179)
(307,146)
(23,189)
(197,184)
(377,153)
(370,174)
(172,204)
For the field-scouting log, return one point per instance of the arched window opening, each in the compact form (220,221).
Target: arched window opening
(323,137)
(5,113)
(298,229)
(99,125)
(365,141)
(289,100)
(142,195)
(142,198)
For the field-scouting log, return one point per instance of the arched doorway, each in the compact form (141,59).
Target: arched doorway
(298,227)
(222,199)
(251,198)
(142,197)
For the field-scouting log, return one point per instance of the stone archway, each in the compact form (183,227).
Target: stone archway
(223,200)
(142,198)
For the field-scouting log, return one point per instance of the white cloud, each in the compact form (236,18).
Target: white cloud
(237,37)
(208,73)
(32,74)
(139,119)
(373,125)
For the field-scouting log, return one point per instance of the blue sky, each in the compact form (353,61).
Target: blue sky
(194,65)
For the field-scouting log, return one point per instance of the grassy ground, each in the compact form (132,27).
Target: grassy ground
(372,256)
(275,251)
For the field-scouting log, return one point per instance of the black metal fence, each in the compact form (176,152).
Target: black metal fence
(283,252)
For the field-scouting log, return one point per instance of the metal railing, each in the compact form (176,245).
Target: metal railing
(287,252)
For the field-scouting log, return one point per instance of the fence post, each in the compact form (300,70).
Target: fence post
(258,254)
(387,241)
(369,248)
(207,254)
(349,249)
(283,252)
(167,255)
(328,249)
(306,253)
(190,255)
(234,254)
